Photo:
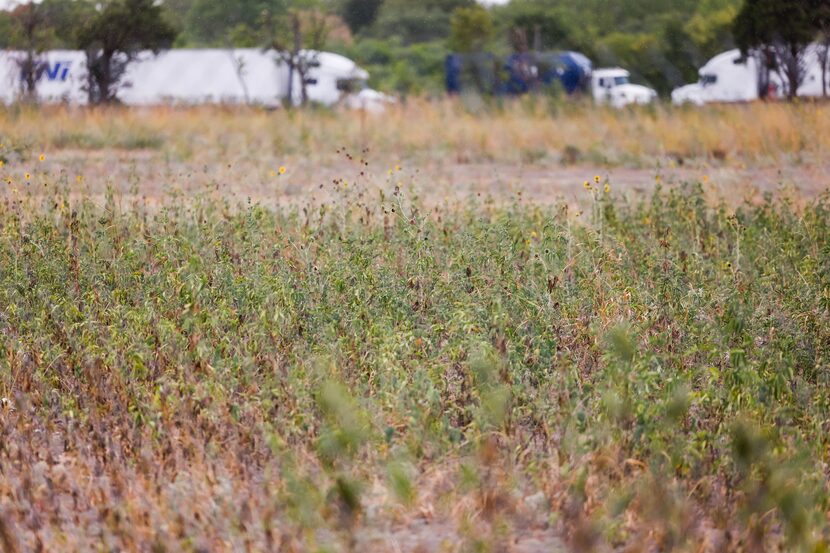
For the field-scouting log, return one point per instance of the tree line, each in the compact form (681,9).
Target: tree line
(403,43)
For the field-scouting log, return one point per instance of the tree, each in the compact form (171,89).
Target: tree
(681,56)
(6,30)
(30,35)
(421,21)
(360,14)
(821,14)
(781,31)
(218,22)
(63,18)
(177,13)
(308,27)
(113,38)
(710,27)
(470,29)
(542,27)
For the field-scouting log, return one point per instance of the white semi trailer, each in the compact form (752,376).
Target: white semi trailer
(198,76)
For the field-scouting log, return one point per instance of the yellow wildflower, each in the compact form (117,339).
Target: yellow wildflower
(42,157)
(283,170)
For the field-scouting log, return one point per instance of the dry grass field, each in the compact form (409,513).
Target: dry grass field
(445,149)
(449,327)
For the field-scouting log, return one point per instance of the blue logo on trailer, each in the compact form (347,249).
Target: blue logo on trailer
(59,71)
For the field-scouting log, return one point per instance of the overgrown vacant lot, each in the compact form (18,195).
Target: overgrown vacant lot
(374,374)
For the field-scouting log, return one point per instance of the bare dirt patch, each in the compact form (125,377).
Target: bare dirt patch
(150,176)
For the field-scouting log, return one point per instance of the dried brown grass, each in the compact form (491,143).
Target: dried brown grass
(514,132)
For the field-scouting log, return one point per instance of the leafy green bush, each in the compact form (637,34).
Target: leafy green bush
(413,69)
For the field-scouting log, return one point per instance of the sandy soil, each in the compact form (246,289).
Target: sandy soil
(152,176)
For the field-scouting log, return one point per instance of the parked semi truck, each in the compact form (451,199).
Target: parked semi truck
(198,76)
(731,77)
(522,73)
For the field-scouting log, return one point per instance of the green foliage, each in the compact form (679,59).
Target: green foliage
(57,22)
(412,22)
(7,25)
(710,27)
(538,22)
(126,26)
(65,18)
(360,14)
(418,68)
(219,23)
(345,425)
(470,29)
(400,481)
(763,22)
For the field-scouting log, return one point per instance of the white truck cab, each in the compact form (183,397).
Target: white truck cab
(613,86)
(727,77)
